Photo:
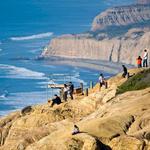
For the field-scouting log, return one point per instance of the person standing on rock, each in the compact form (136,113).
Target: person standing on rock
(139,62)
(102,81)
(65,92)
(145,58)
(71,90)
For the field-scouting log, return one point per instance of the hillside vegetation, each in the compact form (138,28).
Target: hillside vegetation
(136,82)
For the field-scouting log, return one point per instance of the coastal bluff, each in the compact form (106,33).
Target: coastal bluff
(119,34)
(121,16)
(124,48)
(108,120)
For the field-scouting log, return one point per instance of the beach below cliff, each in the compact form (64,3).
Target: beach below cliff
(98,65)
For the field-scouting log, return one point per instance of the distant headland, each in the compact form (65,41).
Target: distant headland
(117,35)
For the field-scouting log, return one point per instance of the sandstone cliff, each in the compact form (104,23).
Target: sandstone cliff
(106,120)
(121,16)
(122,39)
(123,48)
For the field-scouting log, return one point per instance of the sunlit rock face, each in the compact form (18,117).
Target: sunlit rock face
(124,49)
(119,34)
(121,16)
(106,121)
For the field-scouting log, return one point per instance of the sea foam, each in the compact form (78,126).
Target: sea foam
(21,73)
(31,37)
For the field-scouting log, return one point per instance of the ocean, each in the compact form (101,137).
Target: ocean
(26,27)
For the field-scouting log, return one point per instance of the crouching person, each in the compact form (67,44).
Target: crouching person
(56,100)
(125,72)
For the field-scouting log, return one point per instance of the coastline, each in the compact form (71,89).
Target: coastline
(98,65)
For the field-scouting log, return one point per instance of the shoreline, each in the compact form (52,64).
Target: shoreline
(98,65)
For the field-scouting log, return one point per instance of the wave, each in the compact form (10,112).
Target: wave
(5,94)
(21,73)
(31,37)
(0,49)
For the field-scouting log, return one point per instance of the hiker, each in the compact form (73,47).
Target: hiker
(71,90)
(65,92)
(56,100)
(145,58)
(102,81)
(139,62)
(125,71)
(75,130)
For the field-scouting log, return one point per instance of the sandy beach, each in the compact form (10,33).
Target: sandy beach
(99,65)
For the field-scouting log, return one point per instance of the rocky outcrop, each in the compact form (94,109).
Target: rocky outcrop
(121,16)
(122,48)
(121,122)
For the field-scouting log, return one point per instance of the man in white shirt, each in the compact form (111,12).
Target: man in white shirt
(102,81)
(145,58)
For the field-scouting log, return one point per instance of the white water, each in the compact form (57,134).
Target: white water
(31,37)
(21,73)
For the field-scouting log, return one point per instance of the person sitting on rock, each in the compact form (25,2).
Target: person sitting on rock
(56,100)
(75,130)
(102,81)
(125,72)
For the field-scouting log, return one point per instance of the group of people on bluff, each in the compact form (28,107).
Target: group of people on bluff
(68,89)
(141,62)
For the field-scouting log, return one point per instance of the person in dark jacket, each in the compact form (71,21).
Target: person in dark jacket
(125,71)
(56,100)
(71,90)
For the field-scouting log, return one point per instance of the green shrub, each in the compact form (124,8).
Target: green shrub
(136,82)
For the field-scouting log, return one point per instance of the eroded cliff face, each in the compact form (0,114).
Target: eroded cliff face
(125,48)
(121,16)
(106,41)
